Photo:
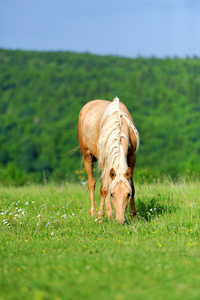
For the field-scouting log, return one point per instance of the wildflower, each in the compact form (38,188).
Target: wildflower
(119,241)
(39,216)
(64,216)
(87,267)
(43,251)
(84,246)
(47,224)
(19,269)
(27,203)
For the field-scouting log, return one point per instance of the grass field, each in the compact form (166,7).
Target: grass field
(52,249)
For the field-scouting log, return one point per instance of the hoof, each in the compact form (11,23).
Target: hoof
(133,215)
(110,215)
(100,215)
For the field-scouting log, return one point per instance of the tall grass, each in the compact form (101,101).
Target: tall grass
(52,249)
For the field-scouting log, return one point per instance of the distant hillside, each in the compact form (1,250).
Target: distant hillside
(41,94)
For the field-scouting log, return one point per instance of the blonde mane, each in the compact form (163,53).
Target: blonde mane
(110,151)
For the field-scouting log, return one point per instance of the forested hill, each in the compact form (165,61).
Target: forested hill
(41,94)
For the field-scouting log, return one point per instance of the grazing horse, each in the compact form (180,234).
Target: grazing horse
(106,133)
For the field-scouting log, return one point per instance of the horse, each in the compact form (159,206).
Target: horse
(107,134)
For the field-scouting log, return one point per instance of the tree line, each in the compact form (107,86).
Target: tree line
(41,94)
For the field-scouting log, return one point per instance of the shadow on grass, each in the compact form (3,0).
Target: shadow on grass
(149,210)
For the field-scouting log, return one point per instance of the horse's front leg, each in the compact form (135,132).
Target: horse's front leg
(109,212)
(88,162)
(103,194)
(131,162)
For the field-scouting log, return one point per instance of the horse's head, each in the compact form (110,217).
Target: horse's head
(120,193)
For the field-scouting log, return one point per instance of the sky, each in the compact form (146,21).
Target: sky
(128,28)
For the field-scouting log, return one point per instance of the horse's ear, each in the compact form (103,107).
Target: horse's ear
(112,174)
(127,174)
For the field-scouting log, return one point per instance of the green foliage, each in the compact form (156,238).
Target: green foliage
(41,95)
(51,248)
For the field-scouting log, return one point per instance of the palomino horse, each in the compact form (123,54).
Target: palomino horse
(106,133)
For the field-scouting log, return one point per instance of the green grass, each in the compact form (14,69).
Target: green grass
(52,249)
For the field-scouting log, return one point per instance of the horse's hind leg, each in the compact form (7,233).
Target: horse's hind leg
(88,162)
(131,163)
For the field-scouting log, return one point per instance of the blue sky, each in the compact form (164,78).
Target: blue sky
(160,28)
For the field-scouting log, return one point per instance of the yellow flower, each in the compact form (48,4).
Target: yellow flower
(43,251)
(19,269)
(119,241)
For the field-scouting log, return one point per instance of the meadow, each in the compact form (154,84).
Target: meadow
(52,249)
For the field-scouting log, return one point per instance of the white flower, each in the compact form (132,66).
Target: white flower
(64,216)
(27,203)
(47,224)
(39,216)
